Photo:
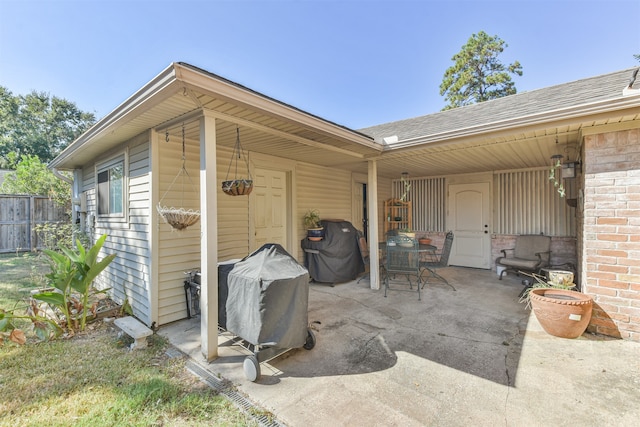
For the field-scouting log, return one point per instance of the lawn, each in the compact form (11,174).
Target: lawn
(92,378)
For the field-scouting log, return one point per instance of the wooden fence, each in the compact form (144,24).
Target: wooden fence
(19,216)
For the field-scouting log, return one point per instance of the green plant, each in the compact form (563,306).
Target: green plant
(554,176)
(312,219)
(52,235)
(407,187)
(72,274)
(542,282)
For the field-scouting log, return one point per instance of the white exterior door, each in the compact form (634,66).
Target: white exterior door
(270,207)
(469,219)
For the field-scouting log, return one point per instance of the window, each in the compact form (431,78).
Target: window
(111,188)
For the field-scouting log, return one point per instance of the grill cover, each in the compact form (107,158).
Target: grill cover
(268,296)
(336,258)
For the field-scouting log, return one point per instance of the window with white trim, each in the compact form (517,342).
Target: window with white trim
(110,187)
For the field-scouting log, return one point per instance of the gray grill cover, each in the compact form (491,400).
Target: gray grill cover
(268,299)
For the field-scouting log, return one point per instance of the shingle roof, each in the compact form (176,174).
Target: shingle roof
(579,92)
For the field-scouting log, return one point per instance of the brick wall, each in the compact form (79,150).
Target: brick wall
(610,245)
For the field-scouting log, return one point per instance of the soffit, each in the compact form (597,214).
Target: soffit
(523,148)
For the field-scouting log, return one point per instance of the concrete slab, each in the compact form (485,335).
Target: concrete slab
(471,356)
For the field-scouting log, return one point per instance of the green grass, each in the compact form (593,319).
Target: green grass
(92,379)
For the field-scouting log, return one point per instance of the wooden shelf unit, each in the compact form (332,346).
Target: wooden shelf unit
(397,215)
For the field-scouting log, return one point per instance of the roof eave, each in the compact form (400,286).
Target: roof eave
(221,87)
(558,115)
(141,98)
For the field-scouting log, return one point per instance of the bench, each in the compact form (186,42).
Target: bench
(135,329)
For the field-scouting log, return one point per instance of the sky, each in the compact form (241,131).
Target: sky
(357,63)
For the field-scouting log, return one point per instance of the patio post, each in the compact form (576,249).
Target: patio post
(209,239)
(372,209)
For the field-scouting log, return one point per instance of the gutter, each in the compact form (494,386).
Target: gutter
(57,173)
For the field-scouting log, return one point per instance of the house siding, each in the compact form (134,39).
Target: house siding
(611,232)
(127,277)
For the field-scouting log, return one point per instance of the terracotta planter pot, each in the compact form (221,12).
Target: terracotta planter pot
(562,313)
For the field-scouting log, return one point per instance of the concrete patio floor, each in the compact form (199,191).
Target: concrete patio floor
(473,356)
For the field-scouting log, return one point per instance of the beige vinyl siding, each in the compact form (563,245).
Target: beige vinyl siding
(233,212)
(179,251)
(127,276)
(325,189)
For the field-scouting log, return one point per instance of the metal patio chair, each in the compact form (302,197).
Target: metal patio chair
(441,261)
(403,260)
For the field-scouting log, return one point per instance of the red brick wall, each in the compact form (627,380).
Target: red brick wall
(611,232)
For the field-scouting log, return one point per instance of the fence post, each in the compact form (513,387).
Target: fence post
(32,223)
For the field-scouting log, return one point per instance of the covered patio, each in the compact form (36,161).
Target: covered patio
(471,356)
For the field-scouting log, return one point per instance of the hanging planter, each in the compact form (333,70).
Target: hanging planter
(179,218)
(238,186)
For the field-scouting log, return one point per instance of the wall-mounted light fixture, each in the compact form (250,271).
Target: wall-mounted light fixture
(569,169)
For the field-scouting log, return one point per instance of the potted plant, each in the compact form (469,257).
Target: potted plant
(406,231)
(561,311)
(315,230)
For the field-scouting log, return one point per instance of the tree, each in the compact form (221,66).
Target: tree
(33,177)
(38,124)
(477,75)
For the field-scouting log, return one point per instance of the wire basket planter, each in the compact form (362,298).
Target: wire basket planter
(238,186)
(179,218)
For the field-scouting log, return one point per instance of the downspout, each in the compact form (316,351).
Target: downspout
(75,194)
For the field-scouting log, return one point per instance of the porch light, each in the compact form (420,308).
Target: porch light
(569,169)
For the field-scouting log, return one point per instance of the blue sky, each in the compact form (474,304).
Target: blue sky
(355,62)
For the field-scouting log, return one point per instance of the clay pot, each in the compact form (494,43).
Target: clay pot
(562,313)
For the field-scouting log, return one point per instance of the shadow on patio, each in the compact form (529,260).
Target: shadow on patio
(475,329)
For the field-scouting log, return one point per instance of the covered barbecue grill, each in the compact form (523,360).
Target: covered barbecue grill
(336,258)
(266,305)
(263,300)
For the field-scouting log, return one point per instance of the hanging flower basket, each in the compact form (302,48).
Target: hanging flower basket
(178,218)
(237,187)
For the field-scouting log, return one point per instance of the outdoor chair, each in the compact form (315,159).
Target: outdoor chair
(441,261)
(531,253)
(364,254)
(402,260)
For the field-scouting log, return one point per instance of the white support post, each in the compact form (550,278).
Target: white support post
(372,208)
(154,268)
(209,239)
